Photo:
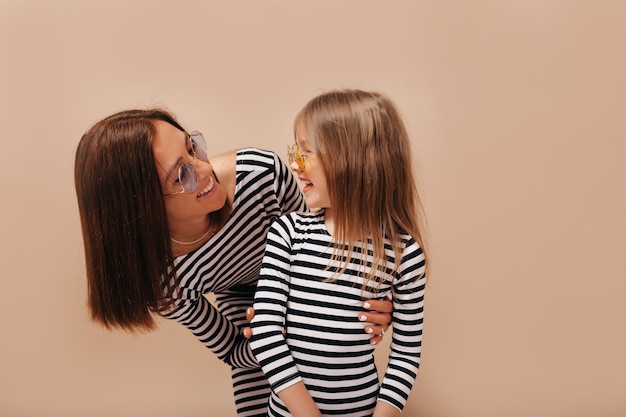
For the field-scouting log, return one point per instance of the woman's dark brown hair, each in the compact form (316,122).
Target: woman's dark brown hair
(128,255)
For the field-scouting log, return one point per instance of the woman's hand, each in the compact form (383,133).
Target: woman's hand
(247,331)
(378,314)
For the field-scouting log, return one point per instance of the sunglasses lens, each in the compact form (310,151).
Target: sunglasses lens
(298,157)
(199,145)
(188,178)
(295,155)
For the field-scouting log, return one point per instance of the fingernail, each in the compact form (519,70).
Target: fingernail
(362,317)
(248,310)
(366,305)
(370,330)
(373,342)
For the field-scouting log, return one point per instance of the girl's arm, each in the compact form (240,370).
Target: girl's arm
(384,409)
(299,402)
(406,344)
(270,302)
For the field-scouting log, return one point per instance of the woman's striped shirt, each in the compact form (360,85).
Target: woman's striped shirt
(324,344)
(229,263)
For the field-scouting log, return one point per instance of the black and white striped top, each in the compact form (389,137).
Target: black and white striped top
(231,260)
(325,345)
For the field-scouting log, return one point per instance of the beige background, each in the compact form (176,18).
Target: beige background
(516,109)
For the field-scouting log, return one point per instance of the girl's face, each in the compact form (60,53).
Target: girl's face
(171,149)
(312,177)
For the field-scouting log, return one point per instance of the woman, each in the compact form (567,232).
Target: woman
(162,225)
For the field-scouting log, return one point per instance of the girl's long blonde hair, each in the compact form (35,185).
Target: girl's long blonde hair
(361,141)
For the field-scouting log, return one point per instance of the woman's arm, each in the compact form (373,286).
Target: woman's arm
(213,329)
(378,314)
(225,169)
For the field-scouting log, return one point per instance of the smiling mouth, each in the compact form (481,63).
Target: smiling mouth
(208,188)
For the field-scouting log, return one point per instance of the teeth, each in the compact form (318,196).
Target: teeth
(207,189)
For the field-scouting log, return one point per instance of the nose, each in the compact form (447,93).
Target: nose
(293,165)
(203,168)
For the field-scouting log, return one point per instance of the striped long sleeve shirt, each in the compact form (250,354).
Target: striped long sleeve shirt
(306,324)
(229,263)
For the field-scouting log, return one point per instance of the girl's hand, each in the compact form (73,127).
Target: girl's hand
(379,314)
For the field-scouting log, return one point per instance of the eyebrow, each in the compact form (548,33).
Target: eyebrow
(305,146)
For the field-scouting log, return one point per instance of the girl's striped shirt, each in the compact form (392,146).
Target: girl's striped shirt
(306,325)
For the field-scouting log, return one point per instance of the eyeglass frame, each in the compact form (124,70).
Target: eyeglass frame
(189,165)
(297,155)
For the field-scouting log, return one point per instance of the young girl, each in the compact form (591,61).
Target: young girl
(353,158)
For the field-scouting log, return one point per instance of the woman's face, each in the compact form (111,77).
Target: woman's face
(171,150)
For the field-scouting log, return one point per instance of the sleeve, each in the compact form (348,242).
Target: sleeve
(408,314)
(289,197)
(213,329)
(270,305)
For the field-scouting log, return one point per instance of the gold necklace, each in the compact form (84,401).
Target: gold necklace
(194,241)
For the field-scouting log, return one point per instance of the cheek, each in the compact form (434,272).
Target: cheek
(174,205)
(320,178)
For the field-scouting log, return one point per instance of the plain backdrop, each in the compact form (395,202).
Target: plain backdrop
(516,111)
